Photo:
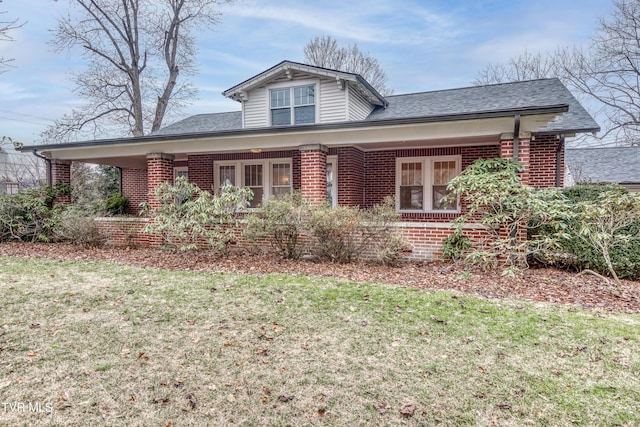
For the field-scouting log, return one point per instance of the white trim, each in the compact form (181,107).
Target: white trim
(427,182)
(178,169)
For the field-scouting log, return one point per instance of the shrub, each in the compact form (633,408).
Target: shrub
(455,246)
(599,229)
(342,234)
(116,204)
(494,195)
(79,227)
(188,216)
(282,220)
(29,215)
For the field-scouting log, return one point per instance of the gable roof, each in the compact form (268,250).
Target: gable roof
(498,97)
(202,123)
(238,92)
(612,164)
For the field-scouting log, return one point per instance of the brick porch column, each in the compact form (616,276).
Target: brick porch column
(314,173)
(524,151)
(159,170)
(61,174)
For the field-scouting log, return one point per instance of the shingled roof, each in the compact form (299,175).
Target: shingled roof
(443,103)
(612,165)
(497,97)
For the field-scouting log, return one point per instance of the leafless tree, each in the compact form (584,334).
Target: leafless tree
(5,27)
(325,52)
(135,51)
(609,71)
(526,66)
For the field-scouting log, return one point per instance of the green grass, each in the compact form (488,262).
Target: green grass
(107,344)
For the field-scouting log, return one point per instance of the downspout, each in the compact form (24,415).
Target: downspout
(120,179)
(516,138)
(49,169)
(558,160)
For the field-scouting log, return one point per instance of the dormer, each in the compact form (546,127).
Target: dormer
(295,94)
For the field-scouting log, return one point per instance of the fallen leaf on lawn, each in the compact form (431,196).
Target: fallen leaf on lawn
(320,413)
(364,323)
(481,369)
(196,340)
(168,425)
(407,411)
(32,353)
(436,319)
(398,309)
(33,326)
(231,398)
(5,384)
(162,401)
(191,321)
(229,344)
(284,398)
(505,406)
(192,401)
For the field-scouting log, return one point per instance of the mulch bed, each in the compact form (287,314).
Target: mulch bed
(535,284)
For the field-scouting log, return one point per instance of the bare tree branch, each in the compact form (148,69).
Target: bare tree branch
(325,52)
(136,51)
(5,27)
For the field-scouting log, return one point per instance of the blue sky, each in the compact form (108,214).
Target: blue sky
(422,45)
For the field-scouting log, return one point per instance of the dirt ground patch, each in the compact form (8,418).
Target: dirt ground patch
(535,284)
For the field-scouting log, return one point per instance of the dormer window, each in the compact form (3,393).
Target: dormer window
(301,112)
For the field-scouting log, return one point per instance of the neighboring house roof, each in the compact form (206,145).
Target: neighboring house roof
(613,164)
(510,97)
(238,92)
(505,96)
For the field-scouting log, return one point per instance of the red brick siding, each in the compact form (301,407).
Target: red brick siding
(159,170)
(524,156)
(314,176)
(350,175)
(544,150)
(134,186)
(61,174)
(200,170)
(124,232)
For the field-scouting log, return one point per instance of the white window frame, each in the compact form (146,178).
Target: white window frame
(333,160)
(267,170)
(427,182)
(177,170)
(291,86)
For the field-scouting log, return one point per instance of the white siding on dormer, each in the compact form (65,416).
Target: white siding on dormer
(359,108)
(256,109)
(333,102)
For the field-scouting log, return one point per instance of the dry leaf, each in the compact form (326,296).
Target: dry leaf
(407,411)
(284,398)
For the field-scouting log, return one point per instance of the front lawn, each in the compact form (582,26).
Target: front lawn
(97,343)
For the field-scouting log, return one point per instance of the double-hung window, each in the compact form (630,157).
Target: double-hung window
(421,183)
(265,178)
(301,111)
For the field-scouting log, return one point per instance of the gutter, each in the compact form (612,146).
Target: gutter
(49,169)
(529,111)
(516,137)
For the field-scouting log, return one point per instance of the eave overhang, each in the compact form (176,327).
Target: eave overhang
(480,127)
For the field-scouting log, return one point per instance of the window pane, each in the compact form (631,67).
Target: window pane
(411,174)
(443,172)
(281,174)
(411,197)
(304,95)
(182,173)
(280,98)
(305,114)
(227,175)
(253,175)
(281,116)
(440,191)
(277,191)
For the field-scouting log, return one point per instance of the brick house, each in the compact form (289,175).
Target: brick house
(331,135)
